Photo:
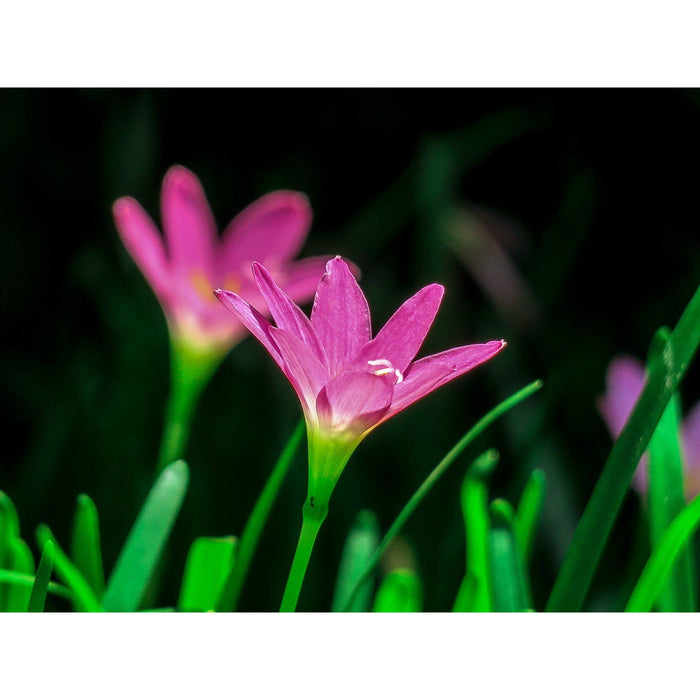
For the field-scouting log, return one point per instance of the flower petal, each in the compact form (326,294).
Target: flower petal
(402,335)
(252,319)
(144,243)
(287,315)
(691,451)
(429,373)
(188,224)
(353,402)
(340,315)
(306,374)
(299,278)
(272,230)
(624,382)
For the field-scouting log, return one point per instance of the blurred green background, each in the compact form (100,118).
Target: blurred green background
(563,221)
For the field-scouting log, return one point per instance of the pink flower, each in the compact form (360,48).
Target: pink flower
(185,266)
(623,385)
(348,382)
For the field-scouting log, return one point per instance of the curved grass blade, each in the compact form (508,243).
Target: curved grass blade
(144,545)
(361,542)
(666,497)
(85,543)
(19,559)
(256,522)
(400,591)
(440,469)
(529,510)
(14,578)
(665,374)
(510,590)
(37,599)
(661,561)
(9,532)
(208,565)
(475,593)
(84,597)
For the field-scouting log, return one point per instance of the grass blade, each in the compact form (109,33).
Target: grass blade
(144,545)
(208,565)
(85,543)
(14,578)
(661,561)
(84,597)
(9,532)
(474,593)
(440,469)
(510,590)
(665,374)
(256,522)
(361,542)
(666,497)
(529,510)
(37,599)
(19,559)
(399,592)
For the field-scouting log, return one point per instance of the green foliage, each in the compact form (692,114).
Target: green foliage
(400,591)
(529,511)
(208,565)
(85,543)
(37,598)
(665,374)
(137,561)
(361,542)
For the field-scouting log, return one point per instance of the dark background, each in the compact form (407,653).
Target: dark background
(591,194)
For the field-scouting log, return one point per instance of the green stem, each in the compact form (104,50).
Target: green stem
(256,522)
(190,370)
(313,517)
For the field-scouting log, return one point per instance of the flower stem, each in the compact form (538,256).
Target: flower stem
(190,371)
(256,522)
(313,516)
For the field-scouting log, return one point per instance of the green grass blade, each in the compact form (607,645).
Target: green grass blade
(474,593)
(256,522)
(84,597)
(14,578)
(529,510)
(85,543)
(37,599)
(661,561)
(208,565)
(510,590)
(440,469)
(20,559)
(666,497)
(664,376)
(400,591)
(9,532)
(361,542)
(144,545)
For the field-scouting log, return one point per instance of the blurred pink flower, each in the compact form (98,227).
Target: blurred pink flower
(190,261)
(623,385)
(348,382)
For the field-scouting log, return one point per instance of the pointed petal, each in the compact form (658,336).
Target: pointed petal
(340,315)
(623,385)
(353,402)
(287,315)
(143,241)
(306,374)
(188,224)
(272,230)
(299,278)
(252,319)
(429,373)
(401,337)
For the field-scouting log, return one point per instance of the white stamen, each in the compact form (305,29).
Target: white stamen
(387,368)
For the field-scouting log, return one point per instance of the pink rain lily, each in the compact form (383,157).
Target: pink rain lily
(190,261)
(624,383)
(347,381)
